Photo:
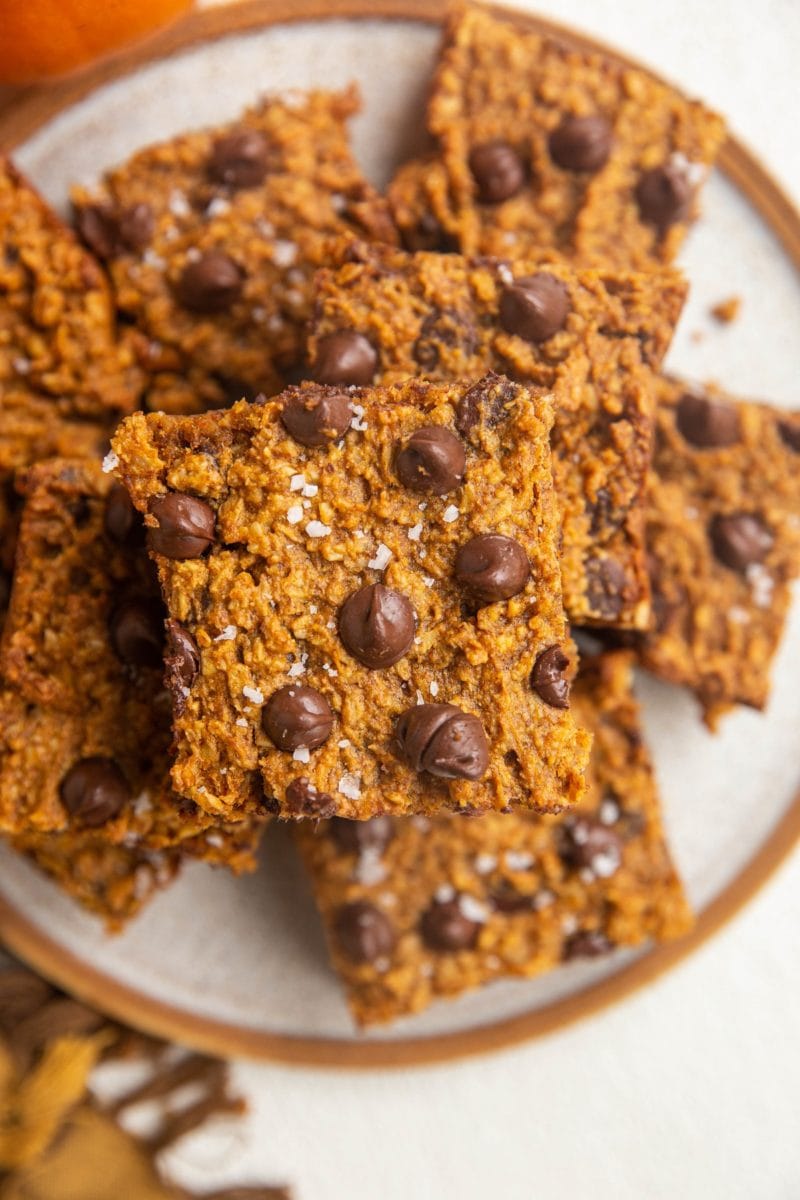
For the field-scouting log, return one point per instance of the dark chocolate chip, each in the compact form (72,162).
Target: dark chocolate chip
(108,231)
(606,582)
(790,434)
(136,630)
(445,926)
(491,567)
(587,844)
(94,790)
(664,196)
(297,717)
(498,171)
(304,800)
(377,625)
(444,327)
(442,740)
(548,678)
(210,284)
(354,837)
(239,159)
(121,521)
(587,943)
(432,461)
(740,540)
(181,663)
(316,416)
(535,307)
(581,143)
(428,234)
(363,933)
(185,526)
(345,356)
(706,422)
(505,898)
(487,402)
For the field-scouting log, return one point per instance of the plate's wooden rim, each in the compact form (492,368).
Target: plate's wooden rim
(27,112)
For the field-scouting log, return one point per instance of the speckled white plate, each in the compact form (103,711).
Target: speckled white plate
(240,966)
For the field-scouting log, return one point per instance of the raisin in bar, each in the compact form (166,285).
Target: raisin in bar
(65,371)
(723,536)
(418,909)
(545,147)
(593,337)
(373,601)
(84,717)
(212,239)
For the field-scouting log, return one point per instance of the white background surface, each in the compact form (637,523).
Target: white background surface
(687,1090)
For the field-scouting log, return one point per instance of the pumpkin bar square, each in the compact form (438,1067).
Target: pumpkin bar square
(545,147)
(84,715)
(723,536)
(593,337)
(212,240)
(66,372)
(419,909)
(373,600)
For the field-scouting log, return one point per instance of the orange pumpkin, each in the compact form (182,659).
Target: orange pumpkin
(43,38)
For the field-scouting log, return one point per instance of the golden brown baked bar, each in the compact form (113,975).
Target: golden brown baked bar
(66,372)
(213,237)
(723,537)
(417,909)
(368,593)
(541,147)
(593,337)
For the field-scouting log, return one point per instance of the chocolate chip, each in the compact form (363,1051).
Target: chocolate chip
(304,800)
(121,521)
(442,740)
(606,583)
(706,422)
(587,844)
(444,327)
(297,718)
(790,434)
(316,416)
(136,630)
(181,664)
(239,159)
(109,231)
(581,143)
(534,307)
(432,461)
(740,540)
(354,837)
(497,170)
(487,402)
(185,526)
(94,790)
(505,898)
(428,234)
(377,625)
(548,678)
(211,284)
(587,943)
(345,357)
(664,195)
(445,926)
(363,933)
(491,567)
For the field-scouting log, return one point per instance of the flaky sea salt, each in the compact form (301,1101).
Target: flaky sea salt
(317,529)
(761,583)
(434,688)
(310,489)
(228,634)
(444,893)
(472,909)
(350,785)
(543,899)
(295,514)
(518,860)
(296,669)
(450,514)
(343,743)
(428,580)
(383,556)
(358,421)
(369,869)
(178,204)
(485,863)
(283,253)
(218,207)
(242,722)
(415,532)
(110,462)
(254,694)
(302,755)
(297,483)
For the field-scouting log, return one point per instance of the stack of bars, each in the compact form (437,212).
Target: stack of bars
(369,463)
